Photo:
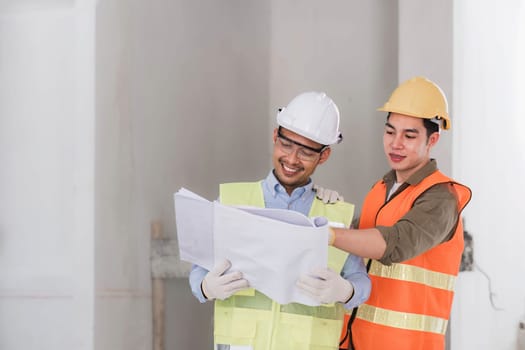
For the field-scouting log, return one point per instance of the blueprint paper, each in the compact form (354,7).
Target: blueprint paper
(271,247)
(271,254)
(194,220)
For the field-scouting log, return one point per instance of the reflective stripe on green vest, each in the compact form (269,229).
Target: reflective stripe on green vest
(251,318)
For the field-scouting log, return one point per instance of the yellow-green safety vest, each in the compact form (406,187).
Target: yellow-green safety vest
(251,318)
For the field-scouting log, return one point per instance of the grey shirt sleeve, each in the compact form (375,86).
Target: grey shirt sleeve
(431,221)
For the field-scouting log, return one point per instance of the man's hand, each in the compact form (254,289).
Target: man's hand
(326,195)
(220,285)
(326,286)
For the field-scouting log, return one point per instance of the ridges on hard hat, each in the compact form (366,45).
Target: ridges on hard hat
(419,97)
(313,115)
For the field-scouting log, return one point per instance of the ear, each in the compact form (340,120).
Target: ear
(275,135)
(433,139)
(325,155)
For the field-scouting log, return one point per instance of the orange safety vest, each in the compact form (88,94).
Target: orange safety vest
(410,302)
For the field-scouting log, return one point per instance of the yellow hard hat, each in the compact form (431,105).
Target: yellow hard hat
(421,98)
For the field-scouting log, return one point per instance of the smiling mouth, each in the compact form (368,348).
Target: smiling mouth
(396,157)
(289,171)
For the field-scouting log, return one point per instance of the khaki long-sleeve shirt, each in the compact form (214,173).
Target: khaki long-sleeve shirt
(431,221)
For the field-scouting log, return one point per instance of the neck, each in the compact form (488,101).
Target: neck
(403,175)
(289,190)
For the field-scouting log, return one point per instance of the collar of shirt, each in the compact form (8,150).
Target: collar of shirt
(275,195)
(414,179)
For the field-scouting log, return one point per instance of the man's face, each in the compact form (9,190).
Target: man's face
(293,163)
(406,145)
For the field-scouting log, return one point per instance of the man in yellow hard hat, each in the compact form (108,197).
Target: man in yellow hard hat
(246,319)
(410,228)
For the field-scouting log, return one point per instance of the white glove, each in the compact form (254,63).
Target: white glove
(326,195)
(220,285)
(325,286)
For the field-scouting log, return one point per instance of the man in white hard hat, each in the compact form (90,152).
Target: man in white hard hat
(247,319)
(410,228)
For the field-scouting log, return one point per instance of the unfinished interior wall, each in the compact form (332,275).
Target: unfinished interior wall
(46,182)
(122,275)
(187,102)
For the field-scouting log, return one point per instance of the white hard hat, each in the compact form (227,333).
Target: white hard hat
(313,115)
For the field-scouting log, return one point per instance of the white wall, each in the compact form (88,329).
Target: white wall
(489,156)
(46,206)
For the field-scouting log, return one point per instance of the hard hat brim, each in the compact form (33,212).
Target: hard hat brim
(445,120)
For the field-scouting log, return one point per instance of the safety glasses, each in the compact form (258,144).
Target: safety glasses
(304,152)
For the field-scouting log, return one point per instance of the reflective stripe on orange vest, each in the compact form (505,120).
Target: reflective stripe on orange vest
(415,274)
(403,320)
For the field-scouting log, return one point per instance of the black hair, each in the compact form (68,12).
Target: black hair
(430,126)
